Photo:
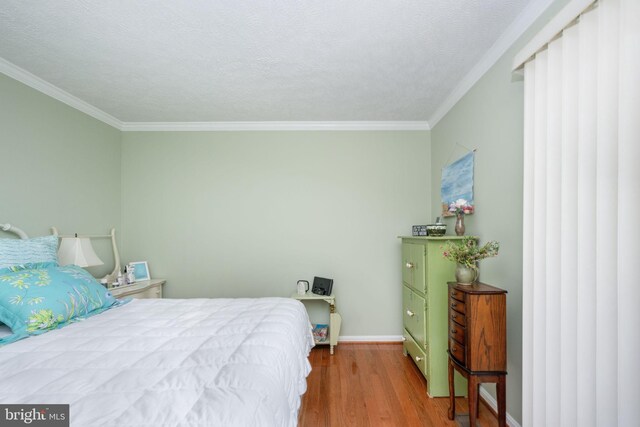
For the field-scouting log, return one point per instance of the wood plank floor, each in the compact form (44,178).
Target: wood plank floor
(372,385)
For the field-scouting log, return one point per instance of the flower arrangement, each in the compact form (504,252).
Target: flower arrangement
(468,253)
(460,207)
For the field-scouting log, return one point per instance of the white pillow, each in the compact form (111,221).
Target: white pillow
(25,251)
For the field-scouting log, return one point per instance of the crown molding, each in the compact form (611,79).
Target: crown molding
(522,22)
(35,82)
(272,126)
(55,92)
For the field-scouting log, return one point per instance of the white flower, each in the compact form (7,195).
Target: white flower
(460,203)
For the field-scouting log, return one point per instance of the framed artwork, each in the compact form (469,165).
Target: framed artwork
(457,184)
(141,270)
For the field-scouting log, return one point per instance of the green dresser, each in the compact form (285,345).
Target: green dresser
(425,273)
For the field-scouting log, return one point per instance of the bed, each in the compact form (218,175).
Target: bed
(208,362)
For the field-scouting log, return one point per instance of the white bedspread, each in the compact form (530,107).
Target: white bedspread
(201,362)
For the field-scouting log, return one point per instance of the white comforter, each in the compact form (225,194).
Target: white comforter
(202,362)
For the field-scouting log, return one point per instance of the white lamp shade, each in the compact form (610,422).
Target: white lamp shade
(78,251)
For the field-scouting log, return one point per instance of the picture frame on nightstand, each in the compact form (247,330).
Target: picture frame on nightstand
(141,270)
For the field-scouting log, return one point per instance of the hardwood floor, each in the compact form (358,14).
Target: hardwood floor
(372,385)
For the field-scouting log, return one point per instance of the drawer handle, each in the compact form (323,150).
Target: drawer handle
(453,316)
(409,265)
(453,331)
(453,348)
(410,313)
(418,359)
(453,305)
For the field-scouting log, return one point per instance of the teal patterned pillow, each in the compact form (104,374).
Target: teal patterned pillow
(35,298)
(38,249)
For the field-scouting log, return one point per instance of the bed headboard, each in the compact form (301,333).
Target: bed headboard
(15,230)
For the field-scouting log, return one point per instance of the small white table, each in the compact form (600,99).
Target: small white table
(335,320)
(143,289)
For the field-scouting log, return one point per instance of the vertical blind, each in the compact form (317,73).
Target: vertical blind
(581,270)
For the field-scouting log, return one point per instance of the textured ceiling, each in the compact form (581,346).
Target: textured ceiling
(331,60)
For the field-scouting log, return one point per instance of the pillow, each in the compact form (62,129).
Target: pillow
(36,298)
(18,251)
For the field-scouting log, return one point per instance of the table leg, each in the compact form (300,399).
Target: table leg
(452,393)
(473,400)
(478,405)
(335,321)
(502,401)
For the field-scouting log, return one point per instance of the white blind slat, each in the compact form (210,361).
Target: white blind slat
(527,249)
(607,212)
(586,219)
(568,241)
(539,246)
(628,208)
(552,241)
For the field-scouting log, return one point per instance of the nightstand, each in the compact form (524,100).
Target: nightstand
(335,320)
(144,289)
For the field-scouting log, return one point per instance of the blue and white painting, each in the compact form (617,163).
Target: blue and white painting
(457,183)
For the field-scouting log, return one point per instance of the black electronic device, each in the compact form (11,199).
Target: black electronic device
(322,286)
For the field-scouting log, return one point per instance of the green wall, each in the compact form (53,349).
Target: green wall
(490,118)
(58,167)
(247,214)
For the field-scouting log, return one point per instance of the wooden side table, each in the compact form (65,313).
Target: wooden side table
(335,320)
(478,343)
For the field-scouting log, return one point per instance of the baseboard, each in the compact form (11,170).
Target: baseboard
(370,338)
(491,402)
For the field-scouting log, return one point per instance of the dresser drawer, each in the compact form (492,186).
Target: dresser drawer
(139,290)
(413,315)
(416,353)
(413,266)
(457,305)
(457,350)
(457,317)
(456,332)
(456,294)
(407,264)
(154,292)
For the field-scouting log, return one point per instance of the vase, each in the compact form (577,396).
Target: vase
(466,275)
(459,228)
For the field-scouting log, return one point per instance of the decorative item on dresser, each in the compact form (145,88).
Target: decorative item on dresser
(140,270)
(144,289)
(460,208)
(467,255)
(425,273)
(478,343)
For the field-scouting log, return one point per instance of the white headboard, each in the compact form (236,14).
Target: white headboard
(15,230)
